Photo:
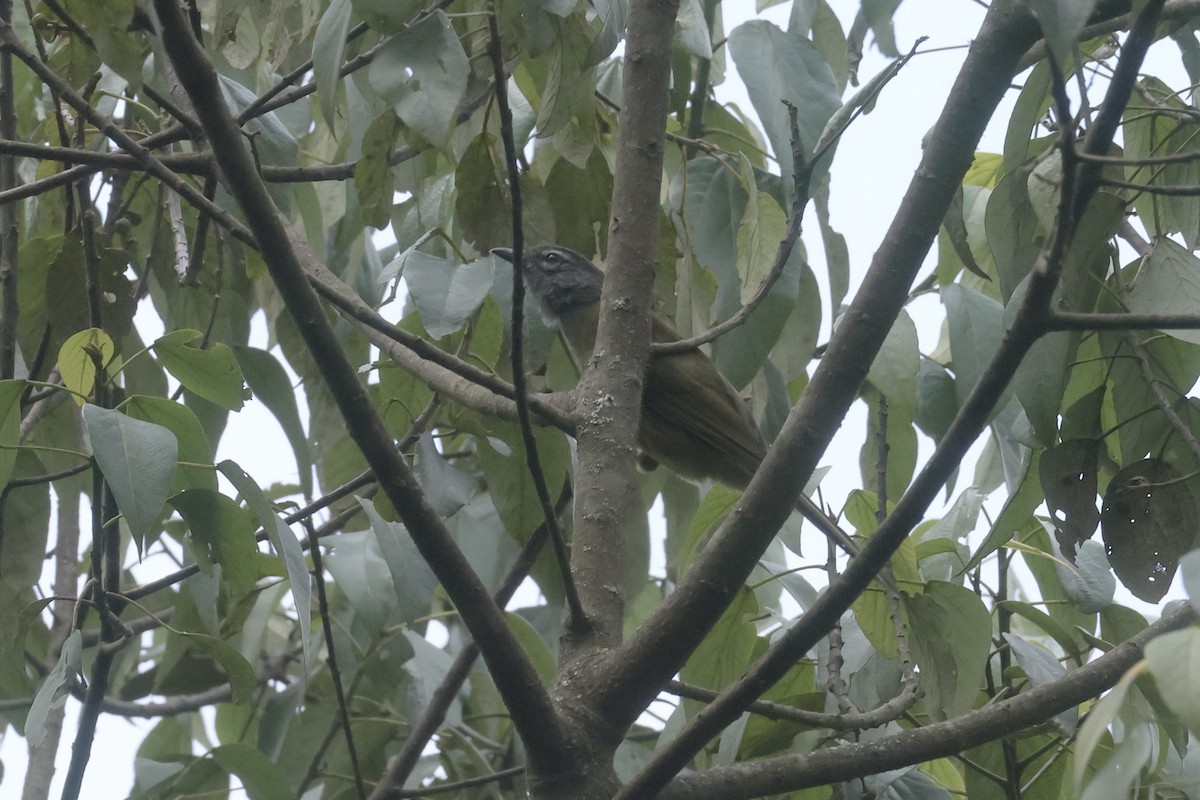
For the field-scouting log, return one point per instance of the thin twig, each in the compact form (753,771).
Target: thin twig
(576,617)
(801,176)
(331,658)
(10,231)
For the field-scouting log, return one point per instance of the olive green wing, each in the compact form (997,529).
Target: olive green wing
(694,421)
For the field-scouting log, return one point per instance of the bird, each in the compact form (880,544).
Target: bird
(693,421)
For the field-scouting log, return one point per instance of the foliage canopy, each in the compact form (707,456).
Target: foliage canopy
(214,164)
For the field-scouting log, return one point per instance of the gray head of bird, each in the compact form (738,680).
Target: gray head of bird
(563,280)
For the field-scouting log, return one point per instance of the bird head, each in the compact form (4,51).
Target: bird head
(563,280)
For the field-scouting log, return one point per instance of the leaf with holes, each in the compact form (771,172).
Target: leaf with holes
(1068,475)
(1148,522)
(422,71)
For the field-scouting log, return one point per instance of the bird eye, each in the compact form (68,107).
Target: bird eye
(552,257)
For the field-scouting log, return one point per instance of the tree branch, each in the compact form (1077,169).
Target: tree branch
(610,390)
(532,712)
(10,231)
(794,772)
(431,719)
(662,644)
(576,617)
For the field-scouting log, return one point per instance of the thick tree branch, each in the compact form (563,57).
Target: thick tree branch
(532,712)
(660,647)
(794,772)
(610,391)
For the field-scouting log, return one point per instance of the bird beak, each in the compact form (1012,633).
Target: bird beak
(503,252)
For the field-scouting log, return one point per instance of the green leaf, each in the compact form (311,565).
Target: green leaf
(1167,131)
(446,488)
(951,635)
(1068,476)
(261,779)
(1101,715)
(570,80)
(1042,377)
(138,460)
(193,444)
(273,143)
(901,438)
(867,95)
(1168,282)
(1148,522)
(794,348)
(786,66)
(895,368)
(387,15)
(481,202)
(1171,363)
(237,669)
(422,72)
(10,426)
(212,373)
(580,200)
(1041,667)
(1191,577)
(53,692)
(412,580)
(1174,660)
(873,613)
(741,352)
(284,540)
(110,24)
(937,403)
(509,481)
(269,382)
(875,16)
(1090,585)
(77,360)
(361,572)
(1062,21)
(945,563)
(975,334)
(1012,229)
(221,534)
(726,651)
(402,398)
(614,14)
(329,43)
(534,646)
(692,30)
(26,526)
(427,667)
(717,502)
(1047,624)
(446,294)
(373,172)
